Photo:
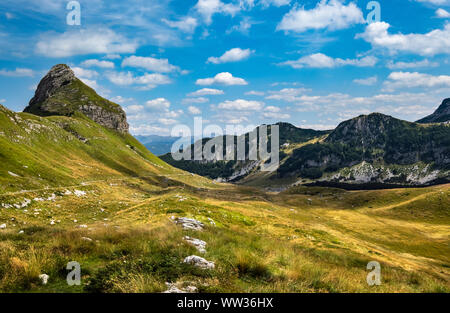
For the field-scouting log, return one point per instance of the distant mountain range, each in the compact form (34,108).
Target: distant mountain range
(370,150)
(159,145)
(441,115)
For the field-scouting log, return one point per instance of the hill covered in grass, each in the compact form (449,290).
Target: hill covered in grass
(58,144)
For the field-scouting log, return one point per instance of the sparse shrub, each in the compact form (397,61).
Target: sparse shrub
(250,266)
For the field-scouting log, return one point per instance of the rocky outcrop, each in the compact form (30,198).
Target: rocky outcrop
(60,92)
(60,75)
(441,115)
(199,262)
(188,223)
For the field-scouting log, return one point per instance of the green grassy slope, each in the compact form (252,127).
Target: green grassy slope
(38,152)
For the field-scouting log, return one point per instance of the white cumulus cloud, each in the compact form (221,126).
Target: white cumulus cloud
(224,78)
(98,63)
(434,42)
(441,13)
(402,65)
(18,72)
(206,92)
(241,105)
(369,81)
(415,80)
(195,100)
(84,73)
(85,41)
(194,110)
(160,104)
(287,94)
(320,60)
(187,24)
(150,64)
(232,55)
(207,8)
(146,81)
(331,15)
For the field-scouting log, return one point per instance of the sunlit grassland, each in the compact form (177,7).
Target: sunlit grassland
(303,240)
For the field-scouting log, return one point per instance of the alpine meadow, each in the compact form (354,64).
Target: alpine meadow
(336,178)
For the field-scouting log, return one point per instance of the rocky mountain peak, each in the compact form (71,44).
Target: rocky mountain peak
(364,130)
(58,76)
(60,92)
(441,115)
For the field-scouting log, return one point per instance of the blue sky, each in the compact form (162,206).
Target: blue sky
(247,62)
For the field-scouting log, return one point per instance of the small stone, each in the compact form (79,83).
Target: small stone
(189,223)
(199,262)
(197,243)
(44,278)
(173,288)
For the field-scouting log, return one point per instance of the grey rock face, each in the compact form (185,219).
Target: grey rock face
(57,77)
(113,120)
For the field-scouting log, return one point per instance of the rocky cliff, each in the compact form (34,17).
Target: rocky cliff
(60,92)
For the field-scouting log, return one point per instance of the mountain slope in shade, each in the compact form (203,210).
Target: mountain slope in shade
(290,137)
(375,148)
(61,93)
(441,115)
(158,145)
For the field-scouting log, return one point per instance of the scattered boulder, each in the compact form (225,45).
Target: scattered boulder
(3,226)
(189,223)
(44,278)
(172,288)
(79,193)
(199,262)
(197,243)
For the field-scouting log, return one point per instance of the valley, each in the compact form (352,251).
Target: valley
(79,188)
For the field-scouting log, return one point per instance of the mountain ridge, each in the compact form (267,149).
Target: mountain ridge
(368,149)
(441,115)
